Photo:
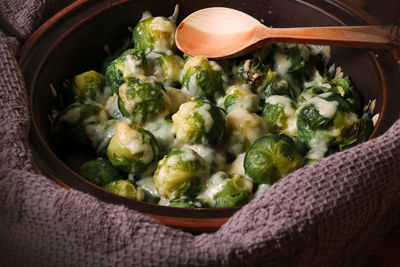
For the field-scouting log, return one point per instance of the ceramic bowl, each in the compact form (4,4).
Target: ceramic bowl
(73,41)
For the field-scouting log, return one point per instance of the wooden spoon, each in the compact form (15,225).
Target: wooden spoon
(220,32)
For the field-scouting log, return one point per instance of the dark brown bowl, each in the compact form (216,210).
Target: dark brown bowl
(73,41)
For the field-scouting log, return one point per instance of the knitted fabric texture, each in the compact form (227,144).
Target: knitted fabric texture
(331,213)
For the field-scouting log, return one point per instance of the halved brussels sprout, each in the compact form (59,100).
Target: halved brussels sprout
(181,173)
(77,123)
(99,171)
(227,190)
(280,114)
(88,86)
(215,159)
(129,65)
(240,96)
(270,158)
(133,149)
(204,78)
(186,202)
(126,189)
(198,121)
(166,66)
(143,101)
(154,33)
(242,129)
(162,131)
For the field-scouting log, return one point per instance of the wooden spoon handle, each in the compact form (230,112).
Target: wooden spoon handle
(349,36)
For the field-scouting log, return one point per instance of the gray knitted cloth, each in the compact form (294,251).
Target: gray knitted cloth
(331,213)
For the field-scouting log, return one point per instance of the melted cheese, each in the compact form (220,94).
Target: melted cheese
(282,64)
(326,108)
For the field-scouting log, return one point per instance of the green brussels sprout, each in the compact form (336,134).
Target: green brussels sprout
(133,149)
(253,72)
(322,122)
(130,64)
(296,62)
(186,202)
(102,135)
(242,129)
(240,96)
(166,66)
(162,131)
(341,86)
(198,121)
(181,173)
(204,78)
(126,189)
(88,85)
(143,101)
(99,171)
(358,133)
(283,88)
(154,33)
(149,188)
(270,158)
(215,159)
(280,114)
(77,123)
(227,190)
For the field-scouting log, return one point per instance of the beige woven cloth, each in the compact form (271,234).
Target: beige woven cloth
(331,213)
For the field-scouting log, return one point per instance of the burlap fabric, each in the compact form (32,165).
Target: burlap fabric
(332,213)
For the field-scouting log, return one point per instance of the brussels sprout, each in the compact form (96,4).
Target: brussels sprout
(227,190)
(296,62)
(358,133)
(340,86)
(253,72)
(154,33)
(280,114)
(322,122)
(133,149)
(177,97)
(242,129)
(240,96)
(149,188)
(181,173)
(283,88)
(261,188)
(88,85)
(216,161)
(126,189)
(99,171)
(129,65)
(162,131)
(166,66)
(198,121)
(143,101)
(77,123)
(185,202)
(201,77)
(102,134)
(270,158)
